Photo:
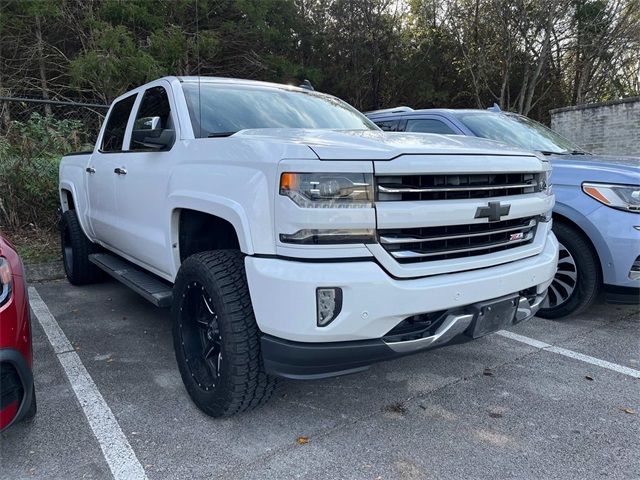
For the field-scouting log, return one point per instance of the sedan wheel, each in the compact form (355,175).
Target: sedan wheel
(564,283)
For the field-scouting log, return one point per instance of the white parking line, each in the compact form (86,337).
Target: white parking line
(571,354)
(116,449)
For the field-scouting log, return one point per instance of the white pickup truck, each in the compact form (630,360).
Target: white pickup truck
(293,238)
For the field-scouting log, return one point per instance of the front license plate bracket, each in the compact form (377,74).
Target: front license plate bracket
(493,315)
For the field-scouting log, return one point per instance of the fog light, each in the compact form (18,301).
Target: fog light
(329,305)
(634,273)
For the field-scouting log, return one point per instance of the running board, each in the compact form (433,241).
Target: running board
(156,291)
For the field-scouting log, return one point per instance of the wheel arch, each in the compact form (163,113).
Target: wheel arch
(561,218)
(69,201)
(202,215)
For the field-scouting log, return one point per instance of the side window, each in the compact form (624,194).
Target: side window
(153,117)
(387,125)
(429,125)
(116,125)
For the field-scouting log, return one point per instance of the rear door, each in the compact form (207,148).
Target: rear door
(101,173)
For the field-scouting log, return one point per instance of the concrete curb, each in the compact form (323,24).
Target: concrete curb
(41,272)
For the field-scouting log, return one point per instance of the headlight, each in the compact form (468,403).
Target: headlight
(328,190)
(5,281)
(622,197)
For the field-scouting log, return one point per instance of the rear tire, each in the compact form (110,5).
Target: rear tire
(76,248)
(215,335)
(578,279)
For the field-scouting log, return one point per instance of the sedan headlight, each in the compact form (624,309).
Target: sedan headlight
(5,281)
(622,197)
(328,190)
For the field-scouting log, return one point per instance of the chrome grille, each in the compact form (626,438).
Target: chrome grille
(451,187)
(409,245)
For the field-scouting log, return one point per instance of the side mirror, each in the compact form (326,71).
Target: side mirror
(156,139)
(147,123)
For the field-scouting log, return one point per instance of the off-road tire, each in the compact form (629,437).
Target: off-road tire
(589,275)
(76,248)
(242,383)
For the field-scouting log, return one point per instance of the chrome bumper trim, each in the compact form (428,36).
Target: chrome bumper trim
(455,325)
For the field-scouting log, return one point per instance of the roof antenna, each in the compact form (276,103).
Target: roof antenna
(198,57)
(306,84)
(495,108)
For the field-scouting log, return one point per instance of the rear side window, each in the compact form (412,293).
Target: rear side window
(117,124)
(387,125)
(429,125)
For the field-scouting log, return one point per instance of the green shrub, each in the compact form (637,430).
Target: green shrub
(30,154)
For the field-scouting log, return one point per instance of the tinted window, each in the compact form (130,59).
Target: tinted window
(429,125)
(516,130)
(154,113)
(230,108)
(387,125)
(117,124)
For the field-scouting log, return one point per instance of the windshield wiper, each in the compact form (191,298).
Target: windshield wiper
(550,152)
(577,152)
(220,134)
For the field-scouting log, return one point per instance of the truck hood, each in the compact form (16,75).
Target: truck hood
(575,169)
(378,145)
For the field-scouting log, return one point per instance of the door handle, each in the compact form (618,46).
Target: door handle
(120,171)
(90,170)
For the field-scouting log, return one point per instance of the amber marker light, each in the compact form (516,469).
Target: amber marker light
(288,182)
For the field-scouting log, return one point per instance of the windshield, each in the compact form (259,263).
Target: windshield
(516,130)
(227,109)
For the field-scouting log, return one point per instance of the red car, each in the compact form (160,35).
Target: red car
(17,395)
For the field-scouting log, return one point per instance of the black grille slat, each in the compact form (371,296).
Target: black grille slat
(456,241)
(457,187)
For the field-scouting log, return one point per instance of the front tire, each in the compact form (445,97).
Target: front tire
(33,408)
(578,279)
(76,248)
(215,335)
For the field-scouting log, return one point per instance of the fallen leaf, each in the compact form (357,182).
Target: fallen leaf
(628,410)
(488,372)
(303,440)
(589,377)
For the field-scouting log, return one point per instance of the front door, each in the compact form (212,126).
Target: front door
(142,191)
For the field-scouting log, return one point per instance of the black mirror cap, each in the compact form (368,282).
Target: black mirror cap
(159,139)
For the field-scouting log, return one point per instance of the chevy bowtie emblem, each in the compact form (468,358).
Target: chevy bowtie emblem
(493,212)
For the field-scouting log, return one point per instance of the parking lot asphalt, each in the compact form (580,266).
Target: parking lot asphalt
(493,408)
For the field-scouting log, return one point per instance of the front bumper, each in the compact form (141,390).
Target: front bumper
(616,237)
(298,360)
(283,294)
